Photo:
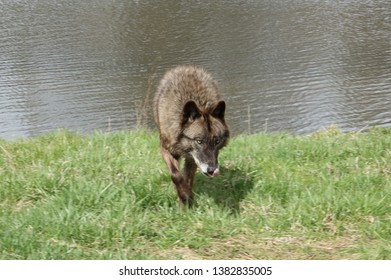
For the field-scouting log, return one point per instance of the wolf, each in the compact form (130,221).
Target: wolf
(190,116)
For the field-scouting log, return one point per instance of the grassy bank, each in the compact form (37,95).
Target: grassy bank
(109,196)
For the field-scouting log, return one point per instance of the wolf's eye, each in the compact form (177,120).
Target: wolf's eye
(217,141)
(199,141)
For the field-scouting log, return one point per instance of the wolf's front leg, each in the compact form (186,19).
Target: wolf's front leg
(183,183)
(189,172)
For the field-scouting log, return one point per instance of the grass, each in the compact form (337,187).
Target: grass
(108,196)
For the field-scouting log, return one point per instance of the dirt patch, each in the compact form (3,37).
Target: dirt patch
(278,248)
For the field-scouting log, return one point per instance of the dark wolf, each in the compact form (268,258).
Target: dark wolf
(189,114)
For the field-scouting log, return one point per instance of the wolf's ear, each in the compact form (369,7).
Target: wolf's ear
(190,111)
(219,111)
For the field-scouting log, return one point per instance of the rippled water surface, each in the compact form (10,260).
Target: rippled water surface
(294,66)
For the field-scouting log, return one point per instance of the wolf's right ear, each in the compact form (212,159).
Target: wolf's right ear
(190,111)
(219,111)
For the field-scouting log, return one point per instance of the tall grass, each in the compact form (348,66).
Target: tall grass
(279,196)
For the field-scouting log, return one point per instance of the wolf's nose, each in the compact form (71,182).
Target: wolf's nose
(212,171)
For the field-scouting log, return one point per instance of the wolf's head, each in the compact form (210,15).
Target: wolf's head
(204,133)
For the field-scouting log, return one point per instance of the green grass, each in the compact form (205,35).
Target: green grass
(279,196)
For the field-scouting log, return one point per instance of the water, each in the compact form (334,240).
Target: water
(294,66)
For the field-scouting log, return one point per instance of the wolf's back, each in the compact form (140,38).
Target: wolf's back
(178,86)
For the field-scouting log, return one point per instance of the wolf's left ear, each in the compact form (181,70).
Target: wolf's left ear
(219,111)
(190,111)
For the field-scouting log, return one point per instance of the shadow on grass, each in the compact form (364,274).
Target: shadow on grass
(227,190)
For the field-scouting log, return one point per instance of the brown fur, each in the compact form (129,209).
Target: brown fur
(189,114)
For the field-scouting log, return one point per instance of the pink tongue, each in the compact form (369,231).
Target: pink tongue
(216,172)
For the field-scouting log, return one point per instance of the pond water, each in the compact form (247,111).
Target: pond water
(295,66)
